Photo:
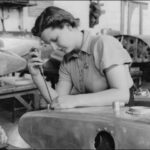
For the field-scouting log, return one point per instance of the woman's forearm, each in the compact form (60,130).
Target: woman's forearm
(102,98)
(41,85)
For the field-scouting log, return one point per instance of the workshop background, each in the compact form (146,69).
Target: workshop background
(126,20)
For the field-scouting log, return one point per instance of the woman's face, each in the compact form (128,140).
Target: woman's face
(60,39)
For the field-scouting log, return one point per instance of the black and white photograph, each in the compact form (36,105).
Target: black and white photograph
(74,74)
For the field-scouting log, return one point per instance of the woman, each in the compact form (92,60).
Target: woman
(96,67)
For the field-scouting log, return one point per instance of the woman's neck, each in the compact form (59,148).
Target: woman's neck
(79,36)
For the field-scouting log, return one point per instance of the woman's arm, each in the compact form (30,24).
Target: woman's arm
(118,91)
(34,66)
(62,88)
(41,85)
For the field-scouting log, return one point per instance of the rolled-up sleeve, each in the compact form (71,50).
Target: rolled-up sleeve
(113,53)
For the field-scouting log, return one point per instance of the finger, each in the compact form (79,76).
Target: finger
(36,65)
(36,59)
(34,54)
(33,49)
(55,105)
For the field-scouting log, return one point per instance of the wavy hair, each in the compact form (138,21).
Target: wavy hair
(53,17)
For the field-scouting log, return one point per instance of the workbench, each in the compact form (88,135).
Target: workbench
(18,92)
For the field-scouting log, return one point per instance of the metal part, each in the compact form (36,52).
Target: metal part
(77,128)
(138,46)
(104,140)
(116,106)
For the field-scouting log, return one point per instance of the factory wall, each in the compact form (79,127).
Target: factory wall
(79,9)
(11,19)
(146,20)
(110,19)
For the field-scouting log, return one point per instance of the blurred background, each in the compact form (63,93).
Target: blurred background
(126,20)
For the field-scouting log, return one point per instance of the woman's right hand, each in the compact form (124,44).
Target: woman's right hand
(34,62)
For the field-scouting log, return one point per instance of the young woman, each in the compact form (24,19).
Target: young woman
(96,67)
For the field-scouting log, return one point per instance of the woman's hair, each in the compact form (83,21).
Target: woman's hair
(53,17)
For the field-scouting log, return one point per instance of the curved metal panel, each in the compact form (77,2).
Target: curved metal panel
(137,46)
(78,128)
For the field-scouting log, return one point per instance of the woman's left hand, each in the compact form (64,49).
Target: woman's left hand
(64,102)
